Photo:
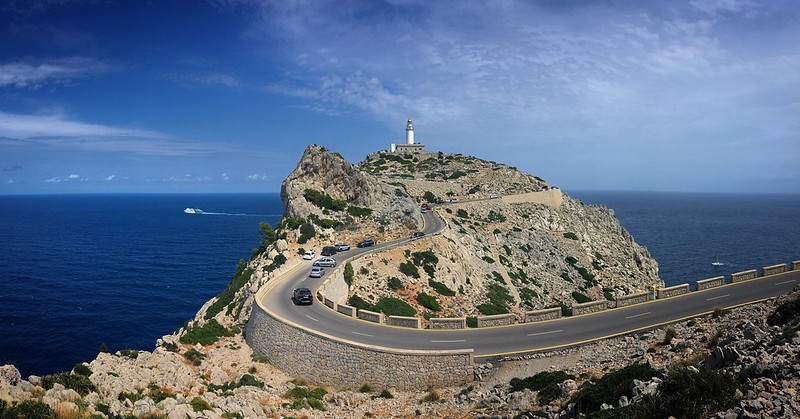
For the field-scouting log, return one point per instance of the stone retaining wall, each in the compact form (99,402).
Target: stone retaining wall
(496,320)
(328,302)
(629,300)
(744,275)
(370,316)
(541,315)
(403,321)
(449,323)
(774,269)
(328,361)
(795,265)
(673,291)
(705,284)
(346,310)
(590,307)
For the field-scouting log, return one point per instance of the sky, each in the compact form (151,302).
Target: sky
(224,95)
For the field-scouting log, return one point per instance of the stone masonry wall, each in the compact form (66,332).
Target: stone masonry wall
(744,275)
(496,320)
(673,291)
(774,269)
(590,307)
(449,323)
(629,300)
(710,283)
(540,315)
(328,361)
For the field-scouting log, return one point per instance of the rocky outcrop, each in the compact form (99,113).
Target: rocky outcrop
(327,172)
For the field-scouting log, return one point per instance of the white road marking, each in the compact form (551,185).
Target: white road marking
(545,333)
(718,297)
(447,341)
(362,334)
(638,315)
(311,318)
(786,282)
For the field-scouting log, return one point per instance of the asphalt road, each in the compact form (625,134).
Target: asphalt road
(519,338)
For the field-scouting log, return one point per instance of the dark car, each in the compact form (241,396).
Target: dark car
(329,251)
(417,235)
(367,243)
(302,296)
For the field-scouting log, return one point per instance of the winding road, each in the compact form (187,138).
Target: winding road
(518,338)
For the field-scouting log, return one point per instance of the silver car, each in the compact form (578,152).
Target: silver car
(327,262)
(317,272)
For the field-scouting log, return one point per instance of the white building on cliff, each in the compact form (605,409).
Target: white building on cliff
(410,146)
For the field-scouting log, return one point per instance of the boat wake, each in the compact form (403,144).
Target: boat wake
(198,211)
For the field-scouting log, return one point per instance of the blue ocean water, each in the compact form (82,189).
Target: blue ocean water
(77,271)
(686,232)
(80,270)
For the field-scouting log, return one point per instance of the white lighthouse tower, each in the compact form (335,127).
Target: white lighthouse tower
(410,147)
(409,132)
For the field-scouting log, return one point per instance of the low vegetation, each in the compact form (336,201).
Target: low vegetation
(79,383)
(545,382)
(206,334)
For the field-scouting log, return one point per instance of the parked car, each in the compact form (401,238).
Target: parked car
(426,207)
(302,296)
(342,247)
(309,254)
(329,251)
(327,262)
(317,272)
(366,243)
(417,235)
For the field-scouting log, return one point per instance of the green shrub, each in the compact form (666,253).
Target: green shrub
(359,211)
(158,395)
(196,357)
(226,296)
(441,288)
(366,388)
(545,382)
(103,348)
(386,394)
(570,235)
(348,273)
(424,258)
(472,321)
(206,334)
(307,232)
(227,388)
(432,396)
(170,346)
(395,284)
(488,259)
(580,298)
(358,302)
(129,353)
(608,293)
(462,213)
(409,269)
(82,369)
(496,216)
(26,409)
(612,386)
(571,260)
(79,383)
(127,395)
(669,334)
(200,405)
(428,302)
(499,299)
(497,277)
(394,307)
(302,397)
(429,196)
(688,392)
(784,313)
(323,200)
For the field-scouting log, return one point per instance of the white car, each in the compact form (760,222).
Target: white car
(309,254)
(328,262)
(316,272)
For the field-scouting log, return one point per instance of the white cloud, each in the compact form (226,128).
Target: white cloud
(257,176)
(224,176)
(53,180)
(36,74)
(56,130)
(187,178)
(110,178)
(73,177)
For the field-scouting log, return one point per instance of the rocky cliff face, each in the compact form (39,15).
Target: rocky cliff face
(320,171)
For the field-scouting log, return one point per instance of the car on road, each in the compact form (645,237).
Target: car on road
(417,235)
(329,251)
(327,262)
(366,243)
(302,296)
(309,254)
(426,207)
(317,272)
(342,247)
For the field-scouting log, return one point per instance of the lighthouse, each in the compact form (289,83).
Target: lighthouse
(410,147)
(409,132)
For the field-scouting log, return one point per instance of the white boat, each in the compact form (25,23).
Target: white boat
(716,262)
(191,210)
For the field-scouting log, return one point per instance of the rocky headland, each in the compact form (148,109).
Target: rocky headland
(512,243)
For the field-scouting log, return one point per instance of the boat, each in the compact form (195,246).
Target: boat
(716,262)
(191,210)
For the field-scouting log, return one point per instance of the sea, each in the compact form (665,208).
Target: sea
(79,271)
